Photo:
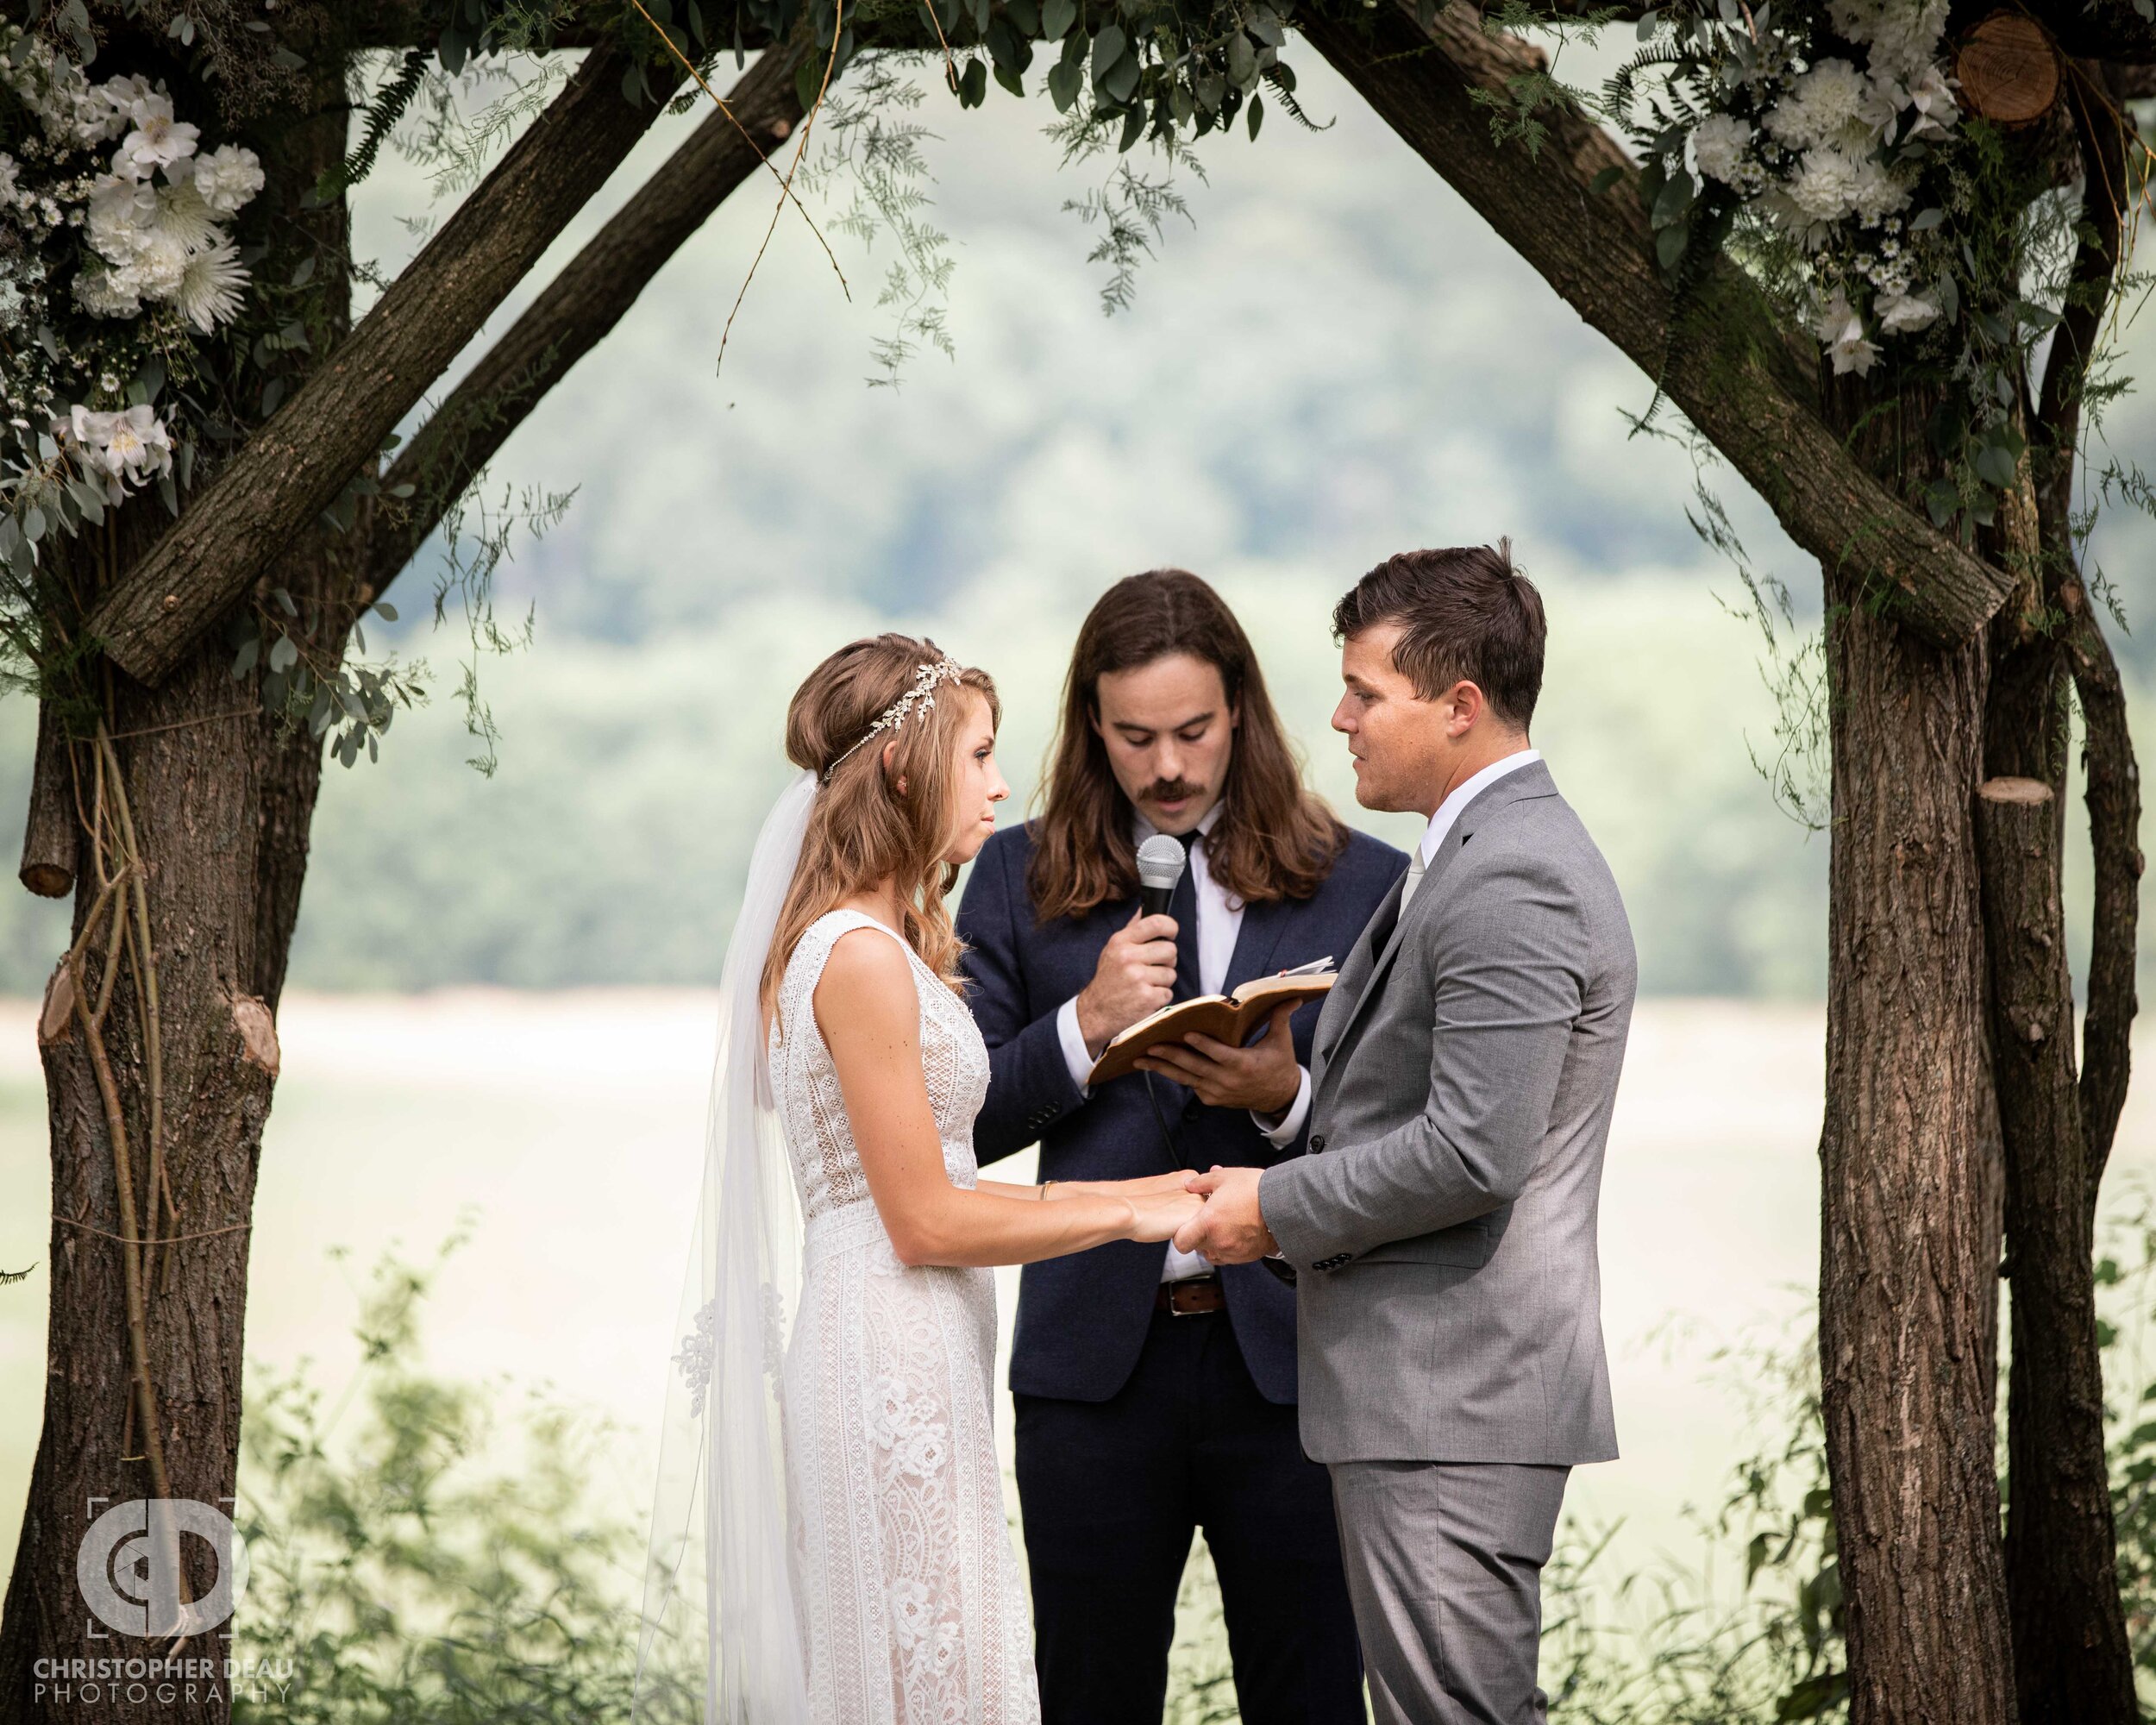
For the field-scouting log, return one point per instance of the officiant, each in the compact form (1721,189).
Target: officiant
(1155,1392)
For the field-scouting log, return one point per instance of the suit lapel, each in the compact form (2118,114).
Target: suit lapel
(1532,780)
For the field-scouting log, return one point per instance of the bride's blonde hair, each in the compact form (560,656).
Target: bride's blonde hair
(862,828)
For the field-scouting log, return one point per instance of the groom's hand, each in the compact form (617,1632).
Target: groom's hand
(1230,1229)
(1262,1078)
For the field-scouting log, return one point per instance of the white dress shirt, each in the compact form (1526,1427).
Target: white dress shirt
(1462,795)
(1220,921)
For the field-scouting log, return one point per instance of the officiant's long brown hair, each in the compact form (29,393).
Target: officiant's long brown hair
(1274,838)
(863,828)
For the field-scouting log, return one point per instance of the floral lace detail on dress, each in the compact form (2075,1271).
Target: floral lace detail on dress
(910,1596)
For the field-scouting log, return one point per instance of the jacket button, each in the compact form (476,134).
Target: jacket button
(1317,1142)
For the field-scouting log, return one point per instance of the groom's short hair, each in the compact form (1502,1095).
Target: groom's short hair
(1467,616)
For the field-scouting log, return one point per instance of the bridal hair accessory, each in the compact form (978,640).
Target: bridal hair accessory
(925,677)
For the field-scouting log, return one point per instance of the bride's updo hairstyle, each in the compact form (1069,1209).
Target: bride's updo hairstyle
(862,828)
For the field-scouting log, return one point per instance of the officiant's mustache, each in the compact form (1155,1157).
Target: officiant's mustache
(1171,790)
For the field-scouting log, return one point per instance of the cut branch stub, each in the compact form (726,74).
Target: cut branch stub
(329,429)
(2012,790)
(2008,70)
(50,833)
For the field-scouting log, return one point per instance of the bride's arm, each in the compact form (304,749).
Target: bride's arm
(1145,1186)
(866,1009)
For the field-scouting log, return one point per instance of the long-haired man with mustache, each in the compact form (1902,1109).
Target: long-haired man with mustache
(1155,1392)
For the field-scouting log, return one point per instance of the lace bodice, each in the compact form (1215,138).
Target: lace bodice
(954,1059)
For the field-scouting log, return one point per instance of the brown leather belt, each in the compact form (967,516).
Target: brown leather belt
(1190,1297)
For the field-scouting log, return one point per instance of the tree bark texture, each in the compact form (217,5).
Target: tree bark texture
(221,797)
(1911,1186)
(2073,1662)
(329,431)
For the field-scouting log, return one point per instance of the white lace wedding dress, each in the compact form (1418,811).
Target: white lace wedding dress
(910,1601)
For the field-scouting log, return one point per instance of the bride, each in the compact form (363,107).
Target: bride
(842,1481)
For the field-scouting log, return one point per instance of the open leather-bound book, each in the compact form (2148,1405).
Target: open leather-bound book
(1231,1017)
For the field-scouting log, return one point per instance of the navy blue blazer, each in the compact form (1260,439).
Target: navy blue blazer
(1082,1318)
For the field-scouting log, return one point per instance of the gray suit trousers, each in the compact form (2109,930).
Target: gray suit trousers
(1444,1570)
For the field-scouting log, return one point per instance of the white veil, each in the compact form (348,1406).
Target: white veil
(721,1642)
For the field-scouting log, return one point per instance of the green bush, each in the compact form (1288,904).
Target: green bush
(417,1558)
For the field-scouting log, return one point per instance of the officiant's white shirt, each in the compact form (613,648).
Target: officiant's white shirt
(1220,921)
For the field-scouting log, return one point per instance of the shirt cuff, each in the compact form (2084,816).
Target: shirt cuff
(1282,1134)
(1073,1041)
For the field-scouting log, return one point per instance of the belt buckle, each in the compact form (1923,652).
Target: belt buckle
(1176,1310)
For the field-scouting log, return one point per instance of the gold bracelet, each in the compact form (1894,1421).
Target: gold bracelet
(1045,1184)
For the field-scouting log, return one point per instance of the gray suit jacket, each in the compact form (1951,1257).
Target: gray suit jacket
(1442,1226)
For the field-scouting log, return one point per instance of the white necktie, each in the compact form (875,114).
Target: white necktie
(1415,879)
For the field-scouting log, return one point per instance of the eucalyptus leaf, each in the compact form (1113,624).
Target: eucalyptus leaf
(1122,79)
(1995,466)
(1064,79)
(1669,244)
(1108,49)
(1056,18)
(1242,61)
(284,654)
(385,611)
(1926,220)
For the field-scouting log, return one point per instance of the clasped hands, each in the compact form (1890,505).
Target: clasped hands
(1215,1213)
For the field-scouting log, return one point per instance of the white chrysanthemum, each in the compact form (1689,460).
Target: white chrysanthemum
(1824,186)
(1876,192)
(10,178)
(154,270)
(227,178)
(121,212)
(1719,145)
(102,293)
(1900,313)
(1832,94)
(210,286)
(181,214)
(158,141)
(1905,36)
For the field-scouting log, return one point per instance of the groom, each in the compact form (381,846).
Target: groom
(1444,1220)
(1155,1391)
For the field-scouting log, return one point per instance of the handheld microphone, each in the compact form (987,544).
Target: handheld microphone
(1160,866)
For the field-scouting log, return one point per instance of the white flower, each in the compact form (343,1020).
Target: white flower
(159,140)
(1820,104)
(130,443)
(1905,37)
(1841,331)
(179,213)
(1718,146)
(9,180)
(227,178)
(210,285)
(1930,97)
(102,293)
(1877,192)
(1824,186)
(136,100)
(1903,312)
(158,266)
(121,212)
